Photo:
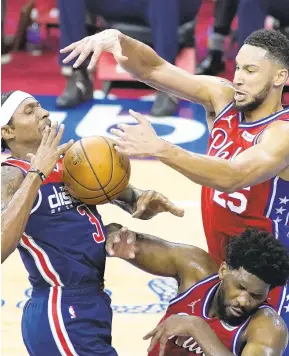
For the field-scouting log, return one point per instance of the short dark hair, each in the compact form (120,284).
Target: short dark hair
(274,42)
(4,97)
(259,253)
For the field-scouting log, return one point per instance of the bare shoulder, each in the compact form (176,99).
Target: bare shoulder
(221,92)
(11,179)
(268,328)
(278,126)
(278,132)
(194,264)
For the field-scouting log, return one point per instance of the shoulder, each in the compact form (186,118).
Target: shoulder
(194,265)
(278,127)
(11,179)
(222,94)
(267,327)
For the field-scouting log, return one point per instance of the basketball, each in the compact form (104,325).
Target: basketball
(94,172)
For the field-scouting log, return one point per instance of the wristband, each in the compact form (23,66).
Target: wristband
(37,171)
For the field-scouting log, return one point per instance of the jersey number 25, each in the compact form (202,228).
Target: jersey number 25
(236,202)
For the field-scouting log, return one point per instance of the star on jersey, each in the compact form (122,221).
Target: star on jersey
(192,305)
(283,200)
(228,119)
(280,210)
(286,308)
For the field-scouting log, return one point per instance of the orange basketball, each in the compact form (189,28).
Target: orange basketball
(94,172)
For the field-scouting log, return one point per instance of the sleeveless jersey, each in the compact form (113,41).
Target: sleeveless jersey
(195,301)
(264,206)
(64,239)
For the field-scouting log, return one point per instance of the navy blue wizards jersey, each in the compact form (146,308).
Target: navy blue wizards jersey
(64,240)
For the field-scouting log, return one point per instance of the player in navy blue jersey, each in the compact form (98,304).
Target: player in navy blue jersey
(61,240)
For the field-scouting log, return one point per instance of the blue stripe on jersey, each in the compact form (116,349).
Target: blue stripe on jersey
(265,120)
(185,293)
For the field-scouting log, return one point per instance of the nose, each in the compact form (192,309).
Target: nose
(244,300)
(238,78)
(44,114)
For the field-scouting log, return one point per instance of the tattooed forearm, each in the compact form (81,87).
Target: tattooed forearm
(128,198)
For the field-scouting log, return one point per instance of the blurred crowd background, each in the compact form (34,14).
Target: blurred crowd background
(201,36)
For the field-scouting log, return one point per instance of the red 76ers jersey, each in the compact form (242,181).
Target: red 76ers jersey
(264,206)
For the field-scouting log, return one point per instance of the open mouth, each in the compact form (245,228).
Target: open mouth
(239,96)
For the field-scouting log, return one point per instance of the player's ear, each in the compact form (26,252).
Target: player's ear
(7,132)
(281,77)
(223,270)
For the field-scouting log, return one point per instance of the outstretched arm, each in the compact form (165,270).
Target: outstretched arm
(143,63)
(252,166)
(188,264)
(145,204)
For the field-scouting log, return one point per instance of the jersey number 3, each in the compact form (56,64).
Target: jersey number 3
(236,202)
(99,235)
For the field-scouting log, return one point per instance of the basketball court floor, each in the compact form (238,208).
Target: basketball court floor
(139,299)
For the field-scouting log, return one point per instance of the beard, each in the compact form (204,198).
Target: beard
(256,101)
(224,313)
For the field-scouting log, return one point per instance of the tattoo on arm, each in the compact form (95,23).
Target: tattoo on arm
(11,179)
(128,198)
(226,83)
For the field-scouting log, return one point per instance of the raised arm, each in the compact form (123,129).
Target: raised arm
(19,193)
(187,264)
(17,198)
(144,64)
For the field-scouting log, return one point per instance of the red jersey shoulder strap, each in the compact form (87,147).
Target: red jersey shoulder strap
(23,165)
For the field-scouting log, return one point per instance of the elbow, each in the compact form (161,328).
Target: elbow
(232,182)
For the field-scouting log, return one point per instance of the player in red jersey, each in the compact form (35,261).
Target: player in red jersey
(226,307)
(245,174)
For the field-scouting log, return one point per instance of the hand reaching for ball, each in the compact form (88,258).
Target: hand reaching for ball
(151,203)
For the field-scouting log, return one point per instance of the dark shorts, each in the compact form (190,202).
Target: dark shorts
(63,321)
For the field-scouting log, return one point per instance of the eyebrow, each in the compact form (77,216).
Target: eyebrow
(251,292)
(248,65)
(30,105)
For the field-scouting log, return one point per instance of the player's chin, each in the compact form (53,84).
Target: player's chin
(234,319)
(242,106)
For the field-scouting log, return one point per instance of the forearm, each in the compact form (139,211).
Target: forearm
(128,198)
(142,60)
(15,216)
(207,339)
(144,64)
(205,170)
(154,255)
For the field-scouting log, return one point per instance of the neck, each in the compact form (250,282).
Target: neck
(19,151)
(267,108)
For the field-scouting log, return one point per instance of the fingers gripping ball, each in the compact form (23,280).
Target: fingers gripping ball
(94,172)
